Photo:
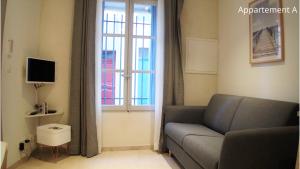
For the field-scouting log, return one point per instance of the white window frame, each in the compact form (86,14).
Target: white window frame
(128,71)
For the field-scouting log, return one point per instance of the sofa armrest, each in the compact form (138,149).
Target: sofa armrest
(268,148)
(183,114)
(179,114)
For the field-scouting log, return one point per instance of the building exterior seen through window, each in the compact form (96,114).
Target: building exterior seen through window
(128,54)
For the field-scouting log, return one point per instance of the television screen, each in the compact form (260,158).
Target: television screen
(40,71)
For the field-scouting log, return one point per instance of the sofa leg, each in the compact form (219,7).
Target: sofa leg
(170,153)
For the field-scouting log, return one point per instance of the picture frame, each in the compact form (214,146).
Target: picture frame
(266,33)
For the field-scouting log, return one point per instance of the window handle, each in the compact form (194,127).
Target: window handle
(126,76)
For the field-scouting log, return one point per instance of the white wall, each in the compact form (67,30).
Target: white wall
(199,20)
(21,26)
(236,76)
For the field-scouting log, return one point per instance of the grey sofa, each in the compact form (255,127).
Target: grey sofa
(233,132)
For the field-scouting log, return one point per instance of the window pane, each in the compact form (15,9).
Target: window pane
(144,20)
(112,83)
(112,66)
(112,86)
(117,45)
(114,17)
(143,54)
(143,85)
(113,53)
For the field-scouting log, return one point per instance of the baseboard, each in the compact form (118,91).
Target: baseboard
(16,164)
(149,147)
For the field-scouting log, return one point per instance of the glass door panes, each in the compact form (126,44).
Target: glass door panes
(113,53)
(143,55)
(114,17)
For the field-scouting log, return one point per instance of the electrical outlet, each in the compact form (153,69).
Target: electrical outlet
(21,146)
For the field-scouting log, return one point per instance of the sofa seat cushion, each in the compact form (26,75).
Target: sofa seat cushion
(178,131)
(205,150)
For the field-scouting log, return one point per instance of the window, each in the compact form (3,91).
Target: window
(128,55)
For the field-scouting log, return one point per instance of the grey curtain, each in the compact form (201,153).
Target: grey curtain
(82,93)
(3,14)
(173,73)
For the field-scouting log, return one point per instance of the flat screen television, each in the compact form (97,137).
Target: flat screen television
(40,71)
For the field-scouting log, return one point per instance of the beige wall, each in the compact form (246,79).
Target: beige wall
(126,129)
(237,76)
(43,29)
(55,44)
(21,26)
(199,20)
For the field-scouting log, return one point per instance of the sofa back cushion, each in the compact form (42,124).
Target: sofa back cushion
(263,113)
(220,111)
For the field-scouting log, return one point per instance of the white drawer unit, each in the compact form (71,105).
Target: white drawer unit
(53,134)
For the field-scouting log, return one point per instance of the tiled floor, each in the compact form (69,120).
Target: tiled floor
(134,159)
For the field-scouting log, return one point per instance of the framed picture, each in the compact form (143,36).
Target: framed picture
(266,33)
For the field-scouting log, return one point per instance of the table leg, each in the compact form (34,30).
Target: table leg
(57,151)
(68,148)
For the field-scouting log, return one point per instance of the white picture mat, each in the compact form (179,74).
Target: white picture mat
(201,56)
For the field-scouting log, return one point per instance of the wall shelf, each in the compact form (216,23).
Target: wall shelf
(43,115)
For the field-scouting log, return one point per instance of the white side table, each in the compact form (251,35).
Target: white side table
(53,135)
